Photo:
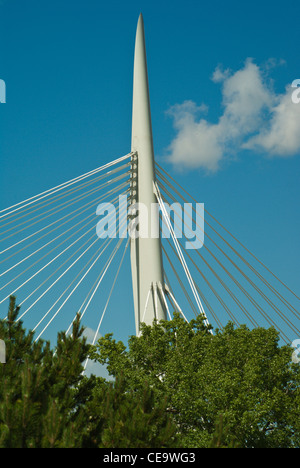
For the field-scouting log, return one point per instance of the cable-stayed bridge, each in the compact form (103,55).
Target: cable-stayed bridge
(66,250)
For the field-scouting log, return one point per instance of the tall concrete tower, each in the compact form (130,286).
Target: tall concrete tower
(146,254)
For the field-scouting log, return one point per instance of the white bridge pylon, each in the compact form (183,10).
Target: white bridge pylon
(146,252)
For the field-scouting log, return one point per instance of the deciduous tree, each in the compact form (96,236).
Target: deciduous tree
(241,375)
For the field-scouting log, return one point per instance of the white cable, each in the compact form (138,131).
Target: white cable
(61,206)
(54,272)
(107,302)
(49,263)
(21,303)
(177,306)
(73,290)
(51,286)
(65,240)
(38,250)
(78,274)
(119,187)
(92,288)
(68,193)
(146,305)
(155,300)
(62,186)
(180,255)
(168,288)
(50,242)
(164,300)
(102,276)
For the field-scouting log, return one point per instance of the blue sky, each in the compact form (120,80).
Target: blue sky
(223,121)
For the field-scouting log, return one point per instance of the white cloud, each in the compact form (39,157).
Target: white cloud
(196,143)
(97,369)
(281,136)
(89,333)
(254,117)
(92,367)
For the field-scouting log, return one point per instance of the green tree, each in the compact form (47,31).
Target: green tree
(40,388)
(128,419)
(241,375)
(47,402)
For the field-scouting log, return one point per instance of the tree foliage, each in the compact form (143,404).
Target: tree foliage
(239,375)
(176,385)
(45,401)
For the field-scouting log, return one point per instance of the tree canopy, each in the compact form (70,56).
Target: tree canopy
(46,401)
(176,385)
(237,378)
